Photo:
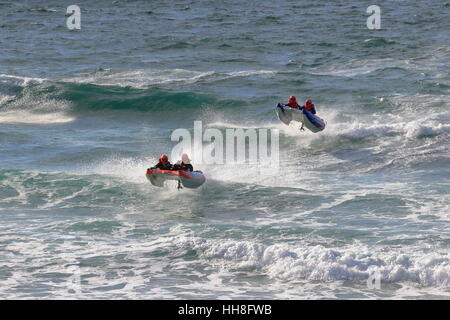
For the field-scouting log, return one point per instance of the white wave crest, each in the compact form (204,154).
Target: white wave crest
(144,78)
(20,81)
(35,109)
(317,263)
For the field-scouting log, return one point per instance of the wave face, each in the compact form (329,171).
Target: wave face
(84,113)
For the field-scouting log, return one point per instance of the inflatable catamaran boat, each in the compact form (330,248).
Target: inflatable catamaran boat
(287,114)
(188,179)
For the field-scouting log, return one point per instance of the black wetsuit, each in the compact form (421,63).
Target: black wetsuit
(184,167)
(163,166)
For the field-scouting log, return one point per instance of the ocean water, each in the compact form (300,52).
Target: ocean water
(84,112)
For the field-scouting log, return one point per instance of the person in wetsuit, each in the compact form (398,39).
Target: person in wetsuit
(163,163)
(309,106)
(293,103)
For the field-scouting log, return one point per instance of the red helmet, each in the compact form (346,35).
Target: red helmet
(309,101)
(292,98)
(164,158)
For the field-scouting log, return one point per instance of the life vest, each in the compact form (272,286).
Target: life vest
(309,107)
(186,166)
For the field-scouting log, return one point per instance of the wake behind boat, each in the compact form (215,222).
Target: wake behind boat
(287,114)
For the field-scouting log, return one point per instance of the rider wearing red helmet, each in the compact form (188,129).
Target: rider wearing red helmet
(309,106)
(293,103)
(163,163)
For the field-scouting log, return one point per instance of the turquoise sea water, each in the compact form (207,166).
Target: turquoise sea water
(84,112)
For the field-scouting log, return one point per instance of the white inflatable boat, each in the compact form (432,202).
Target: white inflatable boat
(188,179)
(287,114)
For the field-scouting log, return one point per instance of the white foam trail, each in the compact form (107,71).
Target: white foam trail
(356,67)
(360,67)
(20,116)
(246,73)
(140,78)
(415,129)
(31,108)
(235,125)
(129,169)
(20,81)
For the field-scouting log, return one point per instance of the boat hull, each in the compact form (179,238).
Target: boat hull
(312,122)
(188,179)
